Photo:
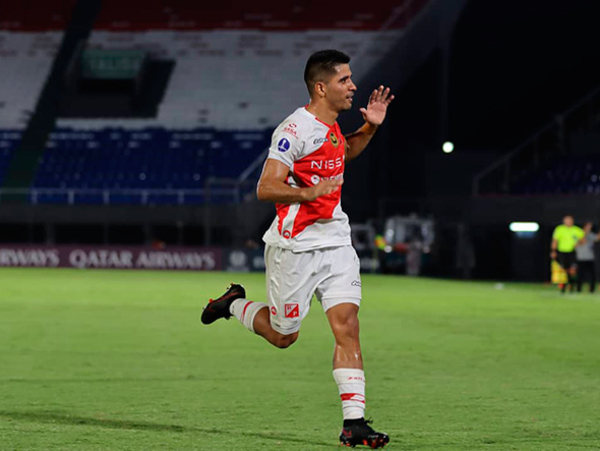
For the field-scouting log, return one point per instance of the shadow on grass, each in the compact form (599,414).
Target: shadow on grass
(103,380)
(73,420)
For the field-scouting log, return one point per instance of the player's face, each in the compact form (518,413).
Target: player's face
(568,221)
(340,88)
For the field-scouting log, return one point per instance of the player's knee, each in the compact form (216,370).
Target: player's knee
(349,322)
(348,328)
(285,341)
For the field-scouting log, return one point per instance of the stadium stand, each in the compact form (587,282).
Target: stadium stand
(259,15)
(25,60)
(30,33)
(242,68)
(31,16)
(151,159)
(564,176)
(560,159)
(238,73)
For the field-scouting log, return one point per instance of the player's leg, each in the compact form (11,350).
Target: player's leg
(263,327)
(581,276)
(563,260)
(232,303)
(291,283)
(343,319)
(572,272)
(253,315)
(350,377)
(585,274)
(290,287)
(340,295)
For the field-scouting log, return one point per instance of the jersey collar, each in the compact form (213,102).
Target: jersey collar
(316,118)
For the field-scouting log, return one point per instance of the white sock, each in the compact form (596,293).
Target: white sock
(245,311)
(351,383)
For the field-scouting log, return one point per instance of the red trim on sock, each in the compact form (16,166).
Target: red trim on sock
(244,312)
(349,396)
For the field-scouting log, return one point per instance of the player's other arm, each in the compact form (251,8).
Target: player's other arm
(374,116)
(357,141)
(272,187)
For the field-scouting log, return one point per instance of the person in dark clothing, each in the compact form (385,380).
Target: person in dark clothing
(586,260)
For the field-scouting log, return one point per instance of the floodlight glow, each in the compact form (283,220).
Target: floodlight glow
(448,147)
(524,227)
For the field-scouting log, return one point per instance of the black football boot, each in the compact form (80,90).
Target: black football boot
(358,432)
(219,308)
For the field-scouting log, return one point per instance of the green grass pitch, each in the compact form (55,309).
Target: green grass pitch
(111,360)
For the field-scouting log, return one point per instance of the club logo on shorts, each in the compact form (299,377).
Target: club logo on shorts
(292,310)
(333,139)
(287,234)
(283,145)
(273,311)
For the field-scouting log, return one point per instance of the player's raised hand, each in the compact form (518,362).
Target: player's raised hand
(375,111)
(323,188)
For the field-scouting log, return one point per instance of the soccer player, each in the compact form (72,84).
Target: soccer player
(565,238)
(308,247)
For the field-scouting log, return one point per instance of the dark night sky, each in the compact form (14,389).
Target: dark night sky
(515,64)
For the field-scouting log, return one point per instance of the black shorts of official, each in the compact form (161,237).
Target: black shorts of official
(566,260)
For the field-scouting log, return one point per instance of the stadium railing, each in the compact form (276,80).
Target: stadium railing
(216,191)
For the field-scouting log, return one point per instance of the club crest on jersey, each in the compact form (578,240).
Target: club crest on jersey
(283,145)
(292,310)
(333,139)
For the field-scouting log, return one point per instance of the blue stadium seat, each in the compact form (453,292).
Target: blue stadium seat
(569,175)
(149,159)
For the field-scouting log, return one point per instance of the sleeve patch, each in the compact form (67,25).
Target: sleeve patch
(283,145)
(291,129)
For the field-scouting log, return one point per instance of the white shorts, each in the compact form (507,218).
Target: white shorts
(333,274)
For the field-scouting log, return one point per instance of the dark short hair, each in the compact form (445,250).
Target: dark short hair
(321,65)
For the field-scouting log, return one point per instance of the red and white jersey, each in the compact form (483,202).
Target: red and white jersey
(314,151)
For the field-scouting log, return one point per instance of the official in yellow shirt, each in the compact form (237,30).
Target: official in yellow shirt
(565,239)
